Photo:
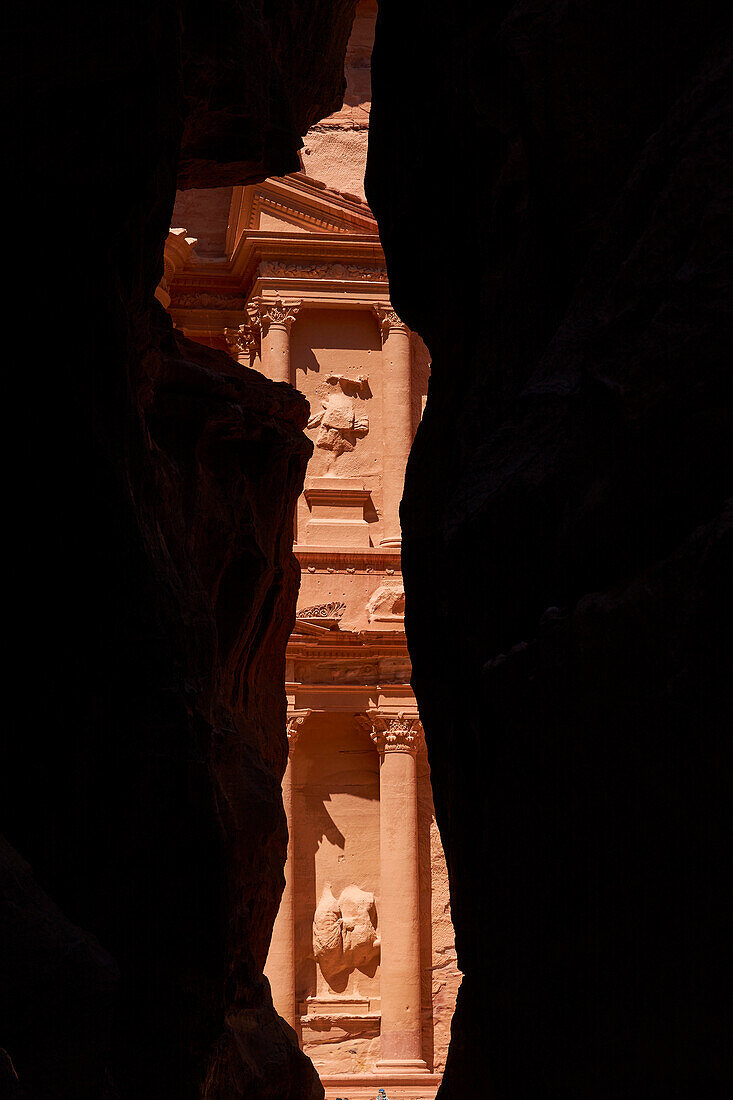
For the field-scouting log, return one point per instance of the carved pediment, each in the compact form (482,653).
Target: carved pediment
(296,203)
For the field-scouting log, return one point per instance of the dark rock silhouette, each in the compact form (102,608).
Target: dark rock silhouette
(151,584)
(566,539)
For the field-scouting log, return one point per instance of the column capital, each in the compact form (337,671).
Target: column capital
(393,732)
(296,718)
(277,312)
(389,320)
(242,341)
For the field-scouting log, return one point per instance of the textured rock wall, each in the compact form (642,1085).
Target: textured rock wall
(335,149)
(151,585)
(566,540)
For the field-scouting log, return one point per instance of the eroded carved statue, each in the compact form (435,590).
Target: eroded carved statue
(345,934)
(341,422)
(387,604)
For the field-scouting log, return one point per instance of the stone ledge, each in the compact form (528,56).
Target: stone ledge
(406,1086)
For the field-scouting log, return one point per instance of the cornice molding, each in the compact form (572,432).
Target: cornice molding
(288,211)
(372,559)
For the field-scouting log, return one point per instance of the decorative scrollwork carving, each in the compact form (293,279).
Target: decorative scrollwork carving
(332,610)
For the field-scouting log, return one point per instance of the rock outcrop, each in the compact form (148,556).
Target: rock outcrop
(566,541)
(151,584)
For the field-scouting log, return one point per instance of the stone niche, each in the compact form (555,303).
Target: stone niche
(336,825)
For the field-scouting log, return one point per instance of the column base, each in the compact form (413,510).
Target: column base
(392,543)
(402,1065)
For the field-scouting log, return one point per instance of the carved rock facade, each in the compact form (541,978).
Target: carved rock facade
(361,961)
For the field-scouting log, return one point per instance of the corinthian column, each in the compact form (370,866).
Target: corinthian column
(242,343)
(274,320)
(280,965)
(396,417)
(397,737)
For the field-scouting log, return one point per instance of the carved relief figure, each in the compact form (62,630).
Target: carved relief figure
(341,422)
(345,935)
(387,604)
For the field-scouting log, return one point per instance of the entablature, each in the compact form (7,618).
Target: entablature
(366,559)
(390,700)
(323,272)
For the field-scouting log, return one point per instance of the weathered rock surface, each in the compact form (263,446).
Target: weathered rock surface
(256,78)
(151,585)
(567,549)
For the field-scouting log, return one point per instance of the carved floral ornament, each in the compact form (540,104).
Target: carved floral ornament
(263,314)
(242,340)
(296,721)
(393,732)
(389,320)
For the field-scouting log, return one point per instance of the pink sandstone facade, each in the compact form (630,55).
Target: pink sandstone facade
(288,276)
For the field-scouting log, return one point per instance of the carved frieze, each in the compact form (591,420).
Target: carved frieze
(279,269)
(206,301)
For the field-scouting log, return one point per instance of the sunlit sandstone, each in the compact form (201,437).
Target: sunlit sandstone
(362,960)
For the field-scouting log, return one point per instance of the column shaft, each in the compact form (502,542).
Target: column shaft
(397,738)
(401,1034)
(276,352)
(274,319)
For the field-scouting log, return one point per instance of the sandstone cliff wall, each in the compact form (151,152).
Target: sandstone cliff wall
(555,217)
(151,583)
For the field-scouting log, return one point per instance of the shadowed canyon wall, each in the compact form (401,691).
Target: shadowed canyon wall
(552,184)
(565,538)
(153,585)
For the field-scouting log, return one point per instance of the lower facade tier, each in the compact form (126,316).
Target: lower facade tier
(418,1086)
